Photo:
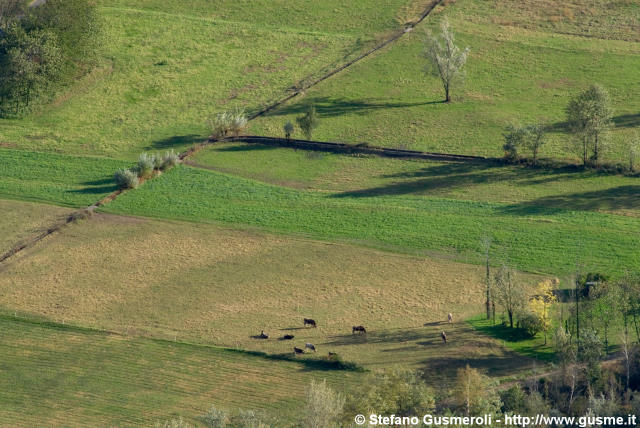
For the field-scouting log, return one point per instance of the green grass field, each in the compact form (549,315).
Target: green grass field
(166,68)
(245,238)
(530,236)
(514,75)
(73,181)
(54,375)
(562,188)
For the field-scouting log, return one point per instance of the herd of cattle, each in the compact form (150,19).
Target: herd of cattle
(360,329)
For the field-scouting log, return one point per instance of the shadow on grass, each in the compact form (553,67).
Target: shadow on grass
(98,190)
(514,338)
(439,179)
(335,106)
(310,363)
(615,198)
(176,141)
(244,148)
(621,121)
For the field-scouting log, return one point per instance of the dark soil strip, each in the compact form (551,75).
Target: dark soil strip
(407,28)
(362,148)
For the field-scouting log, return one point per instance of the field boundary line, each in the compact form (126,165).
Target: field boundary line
(408,27)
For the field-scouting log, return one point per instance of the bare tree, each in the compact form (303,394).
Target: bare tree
(486,249)
(324,406)
(509,292)
(446,60)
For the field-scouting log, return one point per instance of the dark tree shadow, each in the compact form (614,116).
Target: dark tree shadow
(627,120)
(95,190)
(617,198)
(622,121)
(176,141)
(245,148)
(338,106)
(99,182)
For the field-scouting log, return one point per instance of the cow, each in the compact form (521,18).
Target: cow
(450,318)
(358,328)
(297,351)
(310,346)
(263,335)
(443,335)
(287,337)
(309,321)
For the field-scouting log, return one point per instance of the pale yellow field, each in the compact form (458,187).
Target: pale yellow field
(212,285)
(21,220)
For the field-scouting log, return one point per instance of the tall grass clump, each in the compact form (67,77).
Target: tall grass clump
(146,165)
(168,160)
(227,123)
(126,179)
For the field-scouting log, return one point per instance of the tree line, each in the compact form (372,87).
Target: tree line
(43,48)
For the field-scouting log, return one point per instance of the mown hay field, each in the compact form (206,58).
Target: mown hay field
(212,285)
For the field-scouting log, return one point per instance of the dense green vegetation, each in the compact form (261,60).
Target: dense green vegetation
(43,46)
(58,179)
(531,236)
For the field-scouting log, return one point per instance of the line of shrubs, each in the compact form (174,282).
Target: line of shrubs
(146,167)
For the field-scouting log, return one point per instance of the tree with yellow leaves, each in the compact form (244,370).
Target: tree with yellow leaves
(541,302)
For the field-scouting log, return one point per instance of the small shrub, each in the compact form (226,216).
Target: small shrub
(514,140)
(288,130)
(531,324)
(146,165)
(220,124)
(168,160)
(308,122)
(238,123)
(216,418)
(126,179)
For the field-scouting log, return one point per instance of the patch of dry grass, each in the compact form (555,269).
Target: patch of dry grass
(54,376)
(211,285)
(21,220)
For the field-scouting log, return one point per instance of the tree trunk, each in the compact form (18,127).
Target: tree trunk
(510,318)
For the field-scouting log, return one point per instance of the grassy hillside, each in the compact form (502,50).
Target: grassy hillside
(533,237)
(54,375)
(73,181)
(20,220)
(167,67)
(212,285)
(514,75)
(564,188)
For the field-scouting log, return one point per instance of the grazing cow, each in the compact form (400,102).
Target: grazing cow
(450,318)
(263,335)
(287,337)
(297,351)
(309,321)
(443,335)
(310,346)
(358,328)
(333,354)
